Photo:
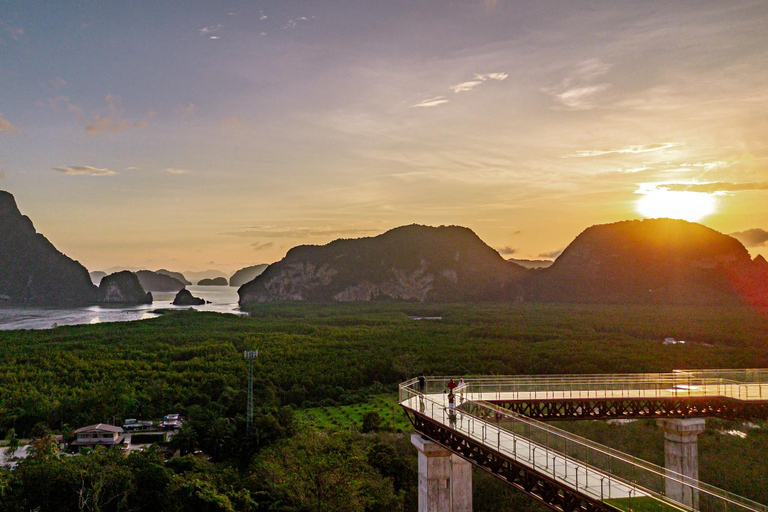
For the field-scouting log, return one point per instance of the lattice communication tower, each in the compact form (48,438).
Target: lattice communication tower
(250,356)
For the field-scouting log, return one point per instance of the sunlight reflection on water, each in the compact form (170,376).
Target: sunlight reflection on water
(223,299)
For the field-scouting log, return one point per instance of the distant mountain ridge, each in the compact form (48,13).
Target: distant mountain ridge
(417,263)
(531,263)
(246,274)
(32,271)
(156,282)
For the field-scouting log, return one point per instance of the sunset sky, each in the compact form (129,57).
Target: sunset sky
(196,135)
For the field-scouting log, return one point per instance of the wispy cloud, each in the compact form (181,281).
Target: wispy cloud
(77,170)
(431,102)
(754,237)
(2,175)
(579,90)
(209,30)
(258,246)
(479,79)
(713,187)
(12,31)
(506,251)
(186,110)
(626,150)
(109,125)
(633,170)
(63,103)
(6,126)
(113,121)
(176,171)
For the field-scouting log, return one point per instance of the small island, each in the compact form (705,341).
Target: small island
(185,298)
(218,281)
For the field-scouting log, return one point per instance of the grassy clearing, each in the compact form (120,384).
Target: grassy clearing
(345,417)
(645,504)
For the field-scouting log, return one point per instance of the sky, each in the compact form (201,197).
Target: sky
(216,135)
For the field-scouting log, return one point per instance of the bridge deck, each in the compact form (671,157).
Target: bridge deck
(578,475)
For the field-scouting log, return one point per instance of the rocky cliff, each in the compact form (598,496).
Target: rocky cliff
(644,261)
(32,271)
(415,263)
(246,274)
(123,288)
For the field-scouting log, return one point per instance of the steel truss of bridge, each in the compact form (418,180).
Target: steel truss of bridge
(494,423)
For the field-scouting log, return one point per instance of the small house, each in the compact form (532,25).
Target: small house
(98,435)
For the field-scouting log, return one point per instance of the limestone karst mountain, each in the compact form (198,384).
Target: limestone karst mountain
(32,270)
(644,261)
(416,263)
(123,288)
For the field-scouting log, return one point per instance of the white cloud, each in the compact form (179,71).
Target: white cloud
(642,148)
(465,86)
(479,79)
(579,90)
(580,98)
(176,171)
(6,126)
(431,102)
(210,30)
(76,170)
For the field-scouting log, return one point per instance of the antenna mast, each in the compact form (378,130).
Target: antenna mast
(249,356)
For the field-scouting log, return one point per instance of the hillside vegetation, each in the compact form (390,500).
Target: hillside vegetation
(336,364)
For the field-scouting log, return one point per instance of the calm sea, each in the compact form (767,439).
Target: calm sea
(223,299)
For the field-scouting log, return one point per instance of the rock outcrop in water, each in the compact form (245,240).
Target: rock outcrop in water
(413,263)
(155,282)
(32,271)
(185,298)
(247,274)
(123,288)
(216,281)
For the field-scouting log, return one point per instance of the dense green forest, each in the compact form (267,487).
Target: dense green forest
(314,357)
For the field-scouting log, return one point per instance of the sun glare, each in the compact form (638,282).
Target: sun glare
(690,206)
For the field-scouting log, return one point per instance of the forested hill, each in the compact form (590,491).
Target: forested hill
(419,263)
(32,271)
(647,261)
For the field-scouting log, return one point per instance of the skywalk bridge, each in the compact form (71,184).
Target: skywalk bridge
(494,425)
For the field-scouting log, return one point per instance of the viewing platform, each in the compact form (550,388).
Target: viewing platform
(567,472)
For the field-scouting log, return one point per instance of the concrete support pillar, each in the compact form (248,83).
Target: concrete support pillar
(445,479)
(681,455)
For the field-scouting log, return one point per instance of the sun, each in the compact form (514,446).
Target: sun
(690,206)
